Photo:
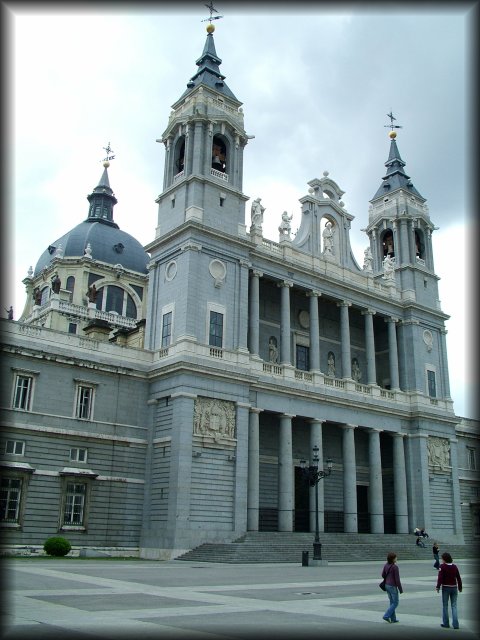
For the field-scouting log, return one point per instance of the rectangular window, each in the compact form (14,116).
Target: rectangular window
(216,329)
(432,387)
(472,462)
(75,503)
(10,494)
(23,392)
(72,327)
(84,404)
(303,357)
(166,329)
(16,447)
(78,454)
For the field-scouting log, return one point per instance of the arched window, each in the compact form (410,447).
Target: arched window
(388,244)
(419,245)
(179,158)
(70,286)
(219,154)
(114,299)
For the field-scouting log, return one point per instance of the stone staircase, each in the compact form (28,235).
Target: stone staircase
(336,547)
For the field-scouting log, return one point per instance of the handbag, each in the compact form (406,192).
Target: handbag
(382,583)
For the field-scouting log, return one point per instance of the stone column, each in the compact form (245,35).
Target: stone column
(393,353)
(345,338)
(375,495)
(285,474)
(445,390)
(370,346)
(316,439)
(349,479)
(243,320)
(189,137)
(285,357)
(314,331)
(400,484)
(254,314)
(253,499)
(404,240)
(198,144)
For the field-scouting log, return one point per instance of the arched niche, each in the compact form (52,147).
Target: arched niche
(387,243)
(329,231)
(419,244)
(179,155)
(220,153)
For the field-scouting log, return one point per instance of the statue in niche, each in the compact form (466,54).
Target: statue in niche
(285,227)
(257,213)
(327,235)
(356,373)
(273,350)
(56,283)
(367,259)
(214,418)
(388,268)
(438,452)
(331,364)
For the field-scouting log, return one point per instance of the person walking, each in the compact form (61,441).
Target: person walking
(451,582)
(436,557)
(391,575)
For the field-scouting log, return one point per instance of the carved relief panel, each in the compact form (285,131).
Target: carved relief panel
(214,422)
(438,453)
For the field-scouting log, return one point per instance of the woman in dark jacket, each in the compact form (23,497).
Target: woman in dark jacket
(391,574)
(451,582)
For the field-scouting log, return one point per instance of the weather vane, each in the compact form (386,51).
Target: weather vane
(109,150)
(211,8)
(391,125)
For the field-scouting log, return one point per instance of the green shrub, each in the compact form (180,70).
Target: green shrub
(57,546)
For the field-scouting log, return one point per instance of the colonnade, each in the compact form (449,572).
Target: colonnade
(285,503)
(285,357)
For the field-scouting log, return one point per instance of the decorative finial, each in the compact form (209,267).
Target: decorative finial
(210,26)
(109,150)
(392,135)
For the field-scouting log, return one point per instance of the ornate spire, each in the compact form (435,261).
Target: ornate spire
(208,64)
(102,199)
(395,178)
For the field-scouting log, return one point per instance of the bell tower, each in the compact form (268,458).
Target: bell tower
(400,228)
(204,143)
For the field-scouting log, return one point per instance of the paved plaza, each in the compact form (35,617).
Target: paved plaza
(77,599)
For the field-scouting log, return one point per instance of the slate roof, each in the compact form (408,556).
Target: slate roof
(208,73)
(395,178)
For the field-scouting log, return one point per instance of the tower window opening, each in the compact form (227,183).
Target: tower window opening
(180,156)
(388,245)
(419,246)
(219,154)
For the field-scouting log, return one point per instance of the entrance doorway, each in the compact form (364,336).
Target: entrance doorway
(302,502)
(362,509)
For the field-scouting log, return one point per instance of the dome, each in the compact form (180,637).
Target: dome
(108,244)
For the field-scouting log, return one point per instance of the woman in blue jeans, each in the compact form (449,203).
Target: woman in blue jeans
(451,582)
(391,574)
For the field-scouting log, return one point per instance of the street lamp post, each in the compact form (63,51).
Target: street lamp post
(313,475)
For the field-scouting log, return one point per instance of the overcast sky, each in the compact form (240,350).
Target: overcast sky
(316,82)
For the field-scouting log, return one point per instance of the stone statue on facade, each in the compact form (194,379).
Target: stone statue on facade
(356,373)
(367,259)
(388,268)
(56,283)
(92,293)
(327,236)
(257,214)
(331,365)
(9,313)
(285,227)
(272,350)
(37,296)
(88,251)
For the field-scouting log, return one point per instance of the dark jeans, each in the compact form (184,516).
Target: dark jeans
(450,593)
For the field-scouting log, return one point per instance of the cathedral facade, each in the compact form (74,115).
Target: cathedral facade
(155,398)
